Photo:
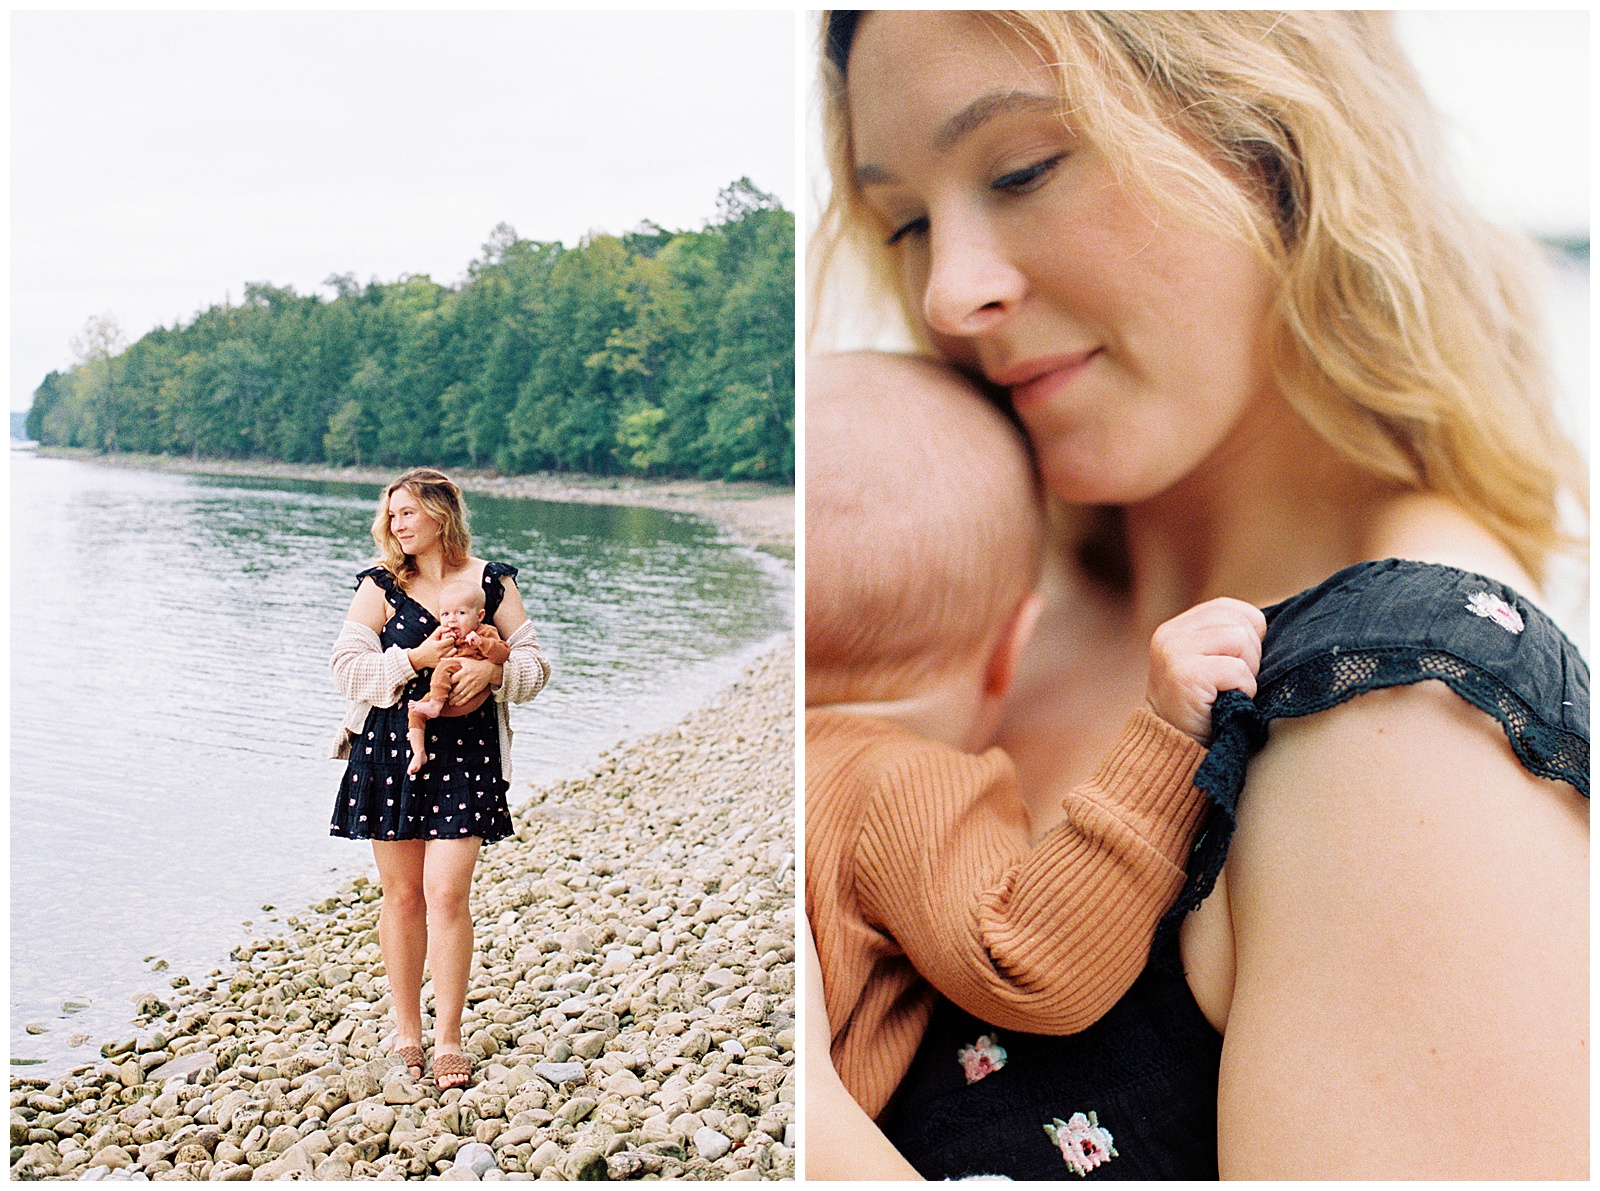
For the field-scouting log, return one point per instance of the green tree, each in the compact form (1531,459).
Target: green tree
(657,351)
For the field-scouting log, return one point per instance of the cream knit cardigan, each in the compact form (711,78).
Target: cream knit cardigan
(371,676)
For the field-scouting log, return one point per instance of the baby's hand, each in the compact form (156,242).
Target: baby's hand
(1215,646)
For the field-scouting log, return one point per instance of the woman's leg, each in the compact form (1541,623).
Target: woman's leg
(447,886)
(403,932)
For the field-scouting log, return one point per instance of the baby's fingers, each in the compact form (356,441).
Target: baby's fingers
(1224,673)
(1207,631)
(1239,612)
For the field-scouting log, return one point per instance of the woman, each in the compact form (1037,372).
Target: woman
(1215,263)
(426,828)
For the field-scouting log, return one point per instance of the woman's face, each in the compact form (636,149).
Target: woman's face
(416,532)
(1129,341)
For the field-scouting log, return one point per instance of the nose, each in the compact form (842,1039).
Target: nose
(973,284)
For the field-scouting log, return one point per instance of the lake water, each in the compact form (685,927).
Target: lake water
(172,710)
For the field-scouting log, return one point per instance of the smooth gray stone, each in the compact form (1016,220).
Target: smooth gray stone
(184,1067)
(476,1157)
(711,1144)
(559,1073)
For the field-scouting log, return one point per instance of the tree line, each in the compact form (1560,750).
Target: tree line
(654,352)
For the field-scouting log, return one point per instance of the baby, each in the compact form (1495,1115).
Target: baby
(924,530)
(461,608)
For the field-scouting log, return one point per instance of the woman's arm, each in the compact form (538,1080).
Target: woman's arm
(362,669)
(1410,909)
(369,606)
(511,615)
(841,1141)
(526,670)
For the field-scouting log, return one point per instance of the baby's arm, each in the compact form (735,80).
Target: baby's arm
(1046,938)
(489,645)
(1040,938)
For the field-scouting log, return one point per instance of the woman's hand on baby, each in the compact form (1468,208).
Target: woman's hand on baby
(471,680)
(1214,646)
(426,656)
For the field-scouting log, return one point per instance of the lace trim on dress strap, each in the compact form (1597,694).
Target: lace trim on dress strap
(1239,729)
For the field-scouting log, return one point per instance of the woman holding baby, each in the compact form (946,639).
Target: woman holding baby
(1262,350)
(430,605)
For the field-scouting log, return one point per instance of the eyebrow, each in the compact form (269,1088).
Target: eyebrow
(976,114)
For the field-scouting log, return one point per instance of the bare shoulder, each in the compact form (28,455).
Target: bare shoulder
(369,606)
(1424,527)
(1410,915)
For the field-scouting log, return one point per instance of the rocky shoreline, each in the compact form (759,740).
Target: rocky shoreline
(754,514)
(631,1008)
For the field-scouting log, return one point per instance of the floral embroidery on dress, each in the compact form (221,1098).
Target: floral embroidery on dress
(1082,1142)
(983,1057)
(1492,607)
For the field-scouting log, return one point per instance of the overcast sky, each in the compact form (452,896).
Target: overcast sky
(161,160)
(1514,91)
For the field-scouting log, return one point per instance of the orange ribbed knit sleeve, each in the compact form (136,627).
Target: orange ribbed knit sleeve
(1042,939)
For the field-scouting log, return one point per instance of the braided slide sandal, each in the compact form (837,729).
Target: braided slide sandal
(451,1071)
(412,1057)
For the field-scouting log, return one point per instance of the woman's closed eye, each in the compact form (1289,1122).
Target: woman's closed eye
(1017,182)
(1029,178)
(914,227)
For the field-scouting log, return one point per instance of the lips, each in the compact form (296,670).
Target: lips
(1034,381)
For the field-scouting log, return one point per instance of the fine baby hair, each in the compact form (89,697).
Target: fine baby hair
(924,525)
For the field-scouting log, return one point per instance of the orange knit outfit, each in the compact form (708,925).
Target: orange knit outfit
(489,649)
(921,876)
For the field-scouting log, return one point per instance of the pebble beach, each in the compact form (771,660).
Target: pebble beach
(631,1009)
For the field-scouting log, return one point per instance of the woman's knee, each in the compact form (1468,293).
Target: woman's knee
(447,901)
(405,898)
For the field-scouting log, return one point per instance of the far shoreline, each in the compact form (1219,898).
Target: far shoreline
(754,514)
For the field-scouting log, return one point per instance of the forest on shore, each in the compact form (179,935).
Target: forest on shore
(665,353)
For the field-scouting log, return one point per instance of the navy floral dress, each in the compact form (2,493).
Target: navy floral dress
(460,792)
(1135,1095)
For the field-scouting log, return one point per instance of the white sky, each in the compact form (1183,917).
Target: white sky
(1514,91)
(161,160)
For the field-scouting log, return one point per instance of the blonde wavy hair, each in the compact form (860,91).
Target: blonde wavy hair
(441,500)
(1406,329)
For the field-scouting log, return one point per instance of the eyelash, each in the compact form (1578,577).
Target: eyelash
(1028,178)
(916,227)
(1023,181)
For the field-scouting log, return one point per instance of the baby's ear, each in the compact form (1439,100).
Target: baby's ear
(1008,650)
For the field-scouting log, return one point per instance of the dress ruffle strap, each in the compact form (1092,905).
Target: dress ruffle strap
(382,577)
(493,590)
(1392,623)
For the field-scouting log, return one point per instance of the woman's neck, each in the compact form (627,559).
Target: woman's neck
(1272,511)
(430,565)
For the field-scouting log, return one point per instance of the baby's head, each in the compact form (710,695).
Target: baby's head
(924,526)
(461,607)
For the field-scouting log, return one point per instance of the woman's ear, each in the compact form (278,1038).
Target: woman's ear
(1002,669)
